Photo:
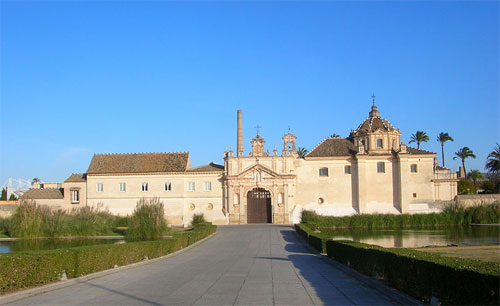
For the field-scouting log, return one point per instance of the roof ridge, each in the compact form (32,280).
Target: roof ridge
(141,153)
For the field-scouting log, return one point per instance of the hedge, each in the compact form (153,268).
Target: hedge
(423,275)
(314,240)
(30,269)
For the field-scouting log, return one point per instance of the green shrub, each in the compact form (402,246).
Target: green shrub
(198,219)
(423,275)
(27,220)
(452,215)
(4,225)
(147,222)
(24,270)
(91,221)
(466,187)
(315,240)
(122,221)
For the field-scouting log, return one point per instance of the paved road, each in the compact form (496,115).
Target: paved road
(243,265)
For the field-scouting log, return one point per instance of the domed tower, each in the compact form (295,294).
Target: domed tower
(376,135)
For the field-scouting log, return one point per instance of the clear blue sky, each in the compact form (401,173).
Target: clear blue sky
(79,78)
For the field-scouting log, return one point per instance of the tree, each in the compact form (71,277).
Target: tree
(334,135)
(493,162)
(463,154)
(3,197)
(419,137)
(302,152)
(12,197)
(475,176)
(442,138)
(35,180)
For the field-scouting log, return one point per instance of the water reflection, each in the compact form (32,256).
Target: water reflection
(411,238)
(46,244)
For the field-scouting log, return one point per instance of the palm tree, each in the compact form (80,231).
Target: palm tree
(302,152)
(442,138)
(475,175)
(419,137)
(334,135)
(463,154)
(493,162)
(35,180)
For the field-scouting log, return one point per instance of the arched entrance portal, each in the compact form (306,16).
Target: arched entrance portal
(259,206)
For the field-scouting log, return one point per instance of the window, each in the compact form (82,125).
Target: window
(99,187)
(323,171)
(75,196)
(191,186)
(414,195)
(41,186)
(208,186)
(144,187)
(122,187)
(413,168)
(347,169)
(381,167)
(168,186)
(380,143)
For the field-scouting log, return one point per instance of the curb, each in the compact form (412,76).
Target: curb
(12,297)
(391,293)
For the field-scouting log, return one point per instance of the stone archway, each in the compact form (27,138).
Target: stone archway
(259,208)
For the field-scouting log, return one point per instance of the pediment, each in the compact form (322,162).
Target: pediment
(264,172)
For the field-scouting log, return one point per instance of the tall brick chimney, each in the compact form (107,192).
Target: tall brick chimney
(239,149)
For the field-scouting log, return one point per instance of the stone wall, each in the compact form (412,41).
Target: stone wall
(6,210)
(476,199)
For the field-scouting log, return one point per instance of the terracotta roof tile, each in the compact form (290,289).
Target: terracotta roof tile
(333,147)
(138,163)
(76,177)
(45,193)
(418,151)
(210,167)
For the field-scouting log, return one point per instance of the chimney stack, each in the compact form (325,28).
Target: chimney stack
(239,149)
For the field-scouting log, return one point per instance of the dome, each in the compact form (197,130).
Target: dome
(374,122)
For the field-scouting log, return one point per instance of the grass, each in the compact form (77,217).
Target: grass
(148,221)
(451,215)
(484,253)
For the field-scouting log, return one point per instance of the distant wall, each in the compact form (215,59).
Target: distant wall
(6,210)
(476,199)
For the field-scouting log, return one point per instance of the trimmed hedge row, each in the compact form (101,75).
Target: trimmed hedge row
(308,234)
(423,275)
(30,269)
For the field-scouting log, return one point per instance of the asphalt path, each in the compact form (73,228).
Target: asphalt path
(241,265)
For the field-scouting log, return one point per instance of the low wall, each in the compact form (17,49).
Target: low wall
(6,210)
(476,199)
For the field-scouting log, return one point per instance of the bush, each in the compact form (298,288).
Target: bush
(147,222)
(4,225)
(423,275)
(24,270)
(91,221)
(452,215)
(489,187)
(198,219)
(315,240)
(466,187)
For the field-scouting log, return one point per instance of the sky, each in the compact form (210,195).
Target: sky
(85,77)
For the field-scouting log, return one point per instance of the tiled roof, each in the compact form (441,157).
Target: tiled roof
(210,167)
(45,193)
(373,124)
(333,147)
(76,177)
(138,163)
(418,151)
(441,168)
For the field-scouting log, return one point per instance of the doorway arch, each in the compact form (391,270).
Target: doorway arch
(259,208)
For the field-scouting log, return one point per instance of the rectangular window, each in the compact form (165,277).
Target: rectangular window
(414,195)
(191,186)
(99,187)
(75,196)
(380,143)
(413,168)
(144,187)
(123,187)
(381,167)
(323,171)
(168,186)
(41,186)
(208,186)
(347,169)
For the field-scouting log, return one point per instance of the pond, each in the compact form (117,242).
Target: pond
(412,238)
(47,244)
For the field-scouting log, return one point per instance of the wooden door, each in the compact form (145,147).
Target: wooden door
(259,206)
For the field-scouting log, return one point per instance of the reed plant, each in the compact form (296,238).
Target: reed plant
(91,221)
(198,219)
(148,221)
(452,215)
(27,220)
